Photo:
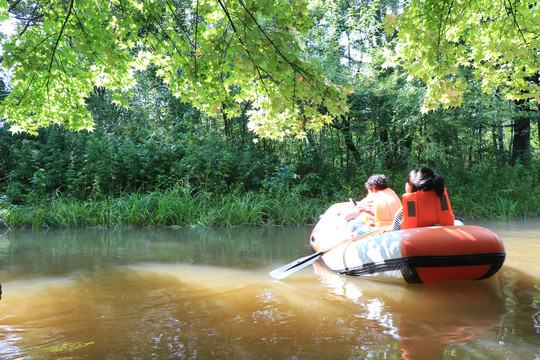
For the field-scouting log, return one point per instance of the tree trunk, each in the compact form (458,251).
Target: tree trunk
(521,143)
(345,128)
(498,143)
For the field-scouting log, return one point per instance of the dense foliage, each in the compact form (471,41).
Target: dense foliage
(165,163)
(163,152)
(497,40)
(219,55)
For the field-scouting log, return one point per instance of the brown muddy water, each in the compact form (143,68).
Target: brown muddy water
(206,294)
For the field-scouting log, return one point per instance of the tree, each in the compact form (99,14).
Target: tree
(348,40)
(216,54)
(498,39)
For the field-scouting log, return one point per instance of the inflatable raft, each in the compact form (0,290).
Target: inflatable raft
(416,255)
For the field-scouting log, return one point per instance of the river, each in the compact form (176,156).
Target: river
(206,294)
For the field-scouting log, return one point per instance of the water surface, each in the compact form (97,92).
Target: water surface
(206,294)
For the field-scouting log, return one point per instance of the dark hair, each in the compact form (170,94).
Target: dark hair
(377,182)
(425,179)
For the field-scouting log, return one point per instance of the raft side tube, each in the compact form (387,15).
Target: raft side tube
(422,255)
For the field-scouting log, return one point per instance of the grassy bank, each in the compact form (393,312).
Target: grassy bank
(179,207)
(189,208)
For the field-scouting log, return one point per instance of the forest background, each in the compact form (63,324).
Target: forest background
(155,159)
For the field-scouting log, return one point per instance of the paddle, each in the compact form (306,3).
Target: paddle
(289,269)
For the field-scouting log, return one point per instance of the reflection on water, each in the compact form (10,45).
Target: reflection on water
(167,311)
(56,253)
(426,319)
(178,294)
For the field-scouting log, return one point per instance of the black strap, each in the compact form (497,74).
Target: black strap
(411,209)
(408,265)
(444,203)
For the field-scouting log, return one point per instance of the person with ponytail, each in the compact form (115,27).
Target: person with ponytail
(435,208)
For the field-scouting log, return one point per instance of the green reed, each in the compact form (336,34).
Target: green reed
(503,205)
(184,207)
(177,207)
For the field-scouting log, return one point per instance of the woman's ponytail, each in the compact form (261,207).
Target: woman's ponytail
(438,184)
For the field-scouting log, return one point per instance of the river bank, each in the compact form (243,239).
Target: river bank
(172,208)
(183,207)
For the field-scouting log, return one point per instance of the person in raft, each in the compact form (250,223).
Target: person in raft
(425,202)
(376,210)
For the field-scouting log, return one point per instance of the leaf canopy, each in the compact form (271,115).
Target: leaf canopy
(498,39)
(214,54)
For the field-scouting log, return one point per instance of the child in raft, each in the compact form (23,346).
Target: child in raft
(376,210)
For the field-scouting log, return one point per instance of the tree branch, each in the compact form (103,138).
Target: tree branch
(177,18)
(510,11)
(58,40)
(257,68)
(294,66)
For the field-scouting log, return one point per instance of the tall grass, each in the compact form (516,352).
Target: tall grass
(177,207)
(184,207)
(502,205)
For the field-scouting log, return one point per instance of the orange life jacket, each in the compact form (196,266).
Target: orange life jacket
(426,208)
(384,204)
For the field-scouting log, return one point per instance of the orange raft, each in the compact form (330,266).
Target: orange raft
(418,255)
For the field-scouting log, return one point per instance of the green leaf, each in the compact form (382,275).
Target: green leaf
(202,50)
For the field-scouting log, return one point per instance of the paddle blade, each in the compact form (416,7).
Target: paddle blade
(289,269)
